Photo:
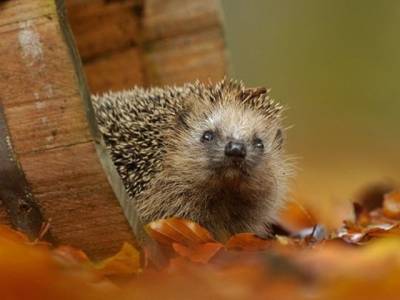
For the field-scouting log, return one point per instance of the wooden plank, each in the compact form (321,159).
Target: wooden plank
(33,60)
(21,10)
(185,58)
(71,3)
(103,242)
(48,123)
(23,211)
(166,19)
(75,196)
(22,208)
(47,108)
(101,27)
(117,71)
(39,93)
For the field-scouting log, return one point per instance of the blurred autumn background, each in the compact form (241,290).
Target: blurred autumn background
(335,64)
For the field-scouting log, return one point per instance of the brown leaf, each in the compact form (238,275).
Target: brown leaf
(351,233)
(71,255)
(354,234)
(248,242)
(173,230)
(361,214)
(388,231)
(13,235)
(371,196)
(391,205)
(200,253)
(125,262)
(296,217)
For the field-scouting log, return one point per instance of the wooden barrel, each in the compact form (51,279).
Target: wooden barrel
(53,166)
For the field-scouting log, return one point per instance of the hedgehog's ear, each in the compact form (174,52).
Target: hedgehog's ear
(250,95)
(254,97)
(258,99)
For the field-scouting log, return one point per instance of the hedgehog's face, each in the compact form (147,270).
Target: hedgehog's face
(230,142)
(236,141)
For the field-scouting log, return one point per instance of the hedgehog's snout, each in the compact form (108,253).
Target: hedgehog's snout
(235,149)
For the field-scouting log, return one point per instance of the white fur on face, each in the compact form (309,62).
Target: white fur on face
(234,121)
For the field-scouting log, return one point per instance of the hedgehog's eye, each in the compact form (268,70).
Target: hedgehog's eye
(208,136)
(258,143)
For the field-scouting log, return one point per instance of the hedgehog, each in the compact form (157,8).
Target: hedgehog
(210,153)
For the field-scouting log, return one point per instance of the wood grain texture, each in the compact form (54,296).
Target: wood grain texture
(171,18)
(101,27)
(33,60)
(15,11)
(183,41)
(116,71)
(48,123)
(198,56)
(77,199)
(15,193)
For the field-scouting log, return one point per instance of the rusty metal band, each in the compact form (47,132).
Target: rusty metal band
(15,194)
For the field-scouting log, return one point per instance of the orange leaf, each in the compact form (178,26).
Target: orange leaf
(13,235)
(391,205)
(295,217)
(71,254)
(173,230)
(125,262)
(201,253)
(361,214)
(389,231)
(248,242)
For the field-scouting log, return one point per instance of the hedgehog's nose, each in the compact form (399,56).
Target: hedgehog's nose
(235,149)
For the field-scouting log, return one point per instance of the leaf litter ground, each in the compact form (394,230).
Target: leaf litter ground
(304,260)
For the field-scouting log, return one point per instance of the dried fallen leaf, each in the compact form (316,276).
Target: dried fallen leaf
(370,197)
(125,262)
(389,231)
(370,224)
(13,235)
(31,272)
(201,253)
(248,242)
(353,234)
(173,230)
(391,205)
(71,255)
(296,217)
(309,264)
(362,215)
